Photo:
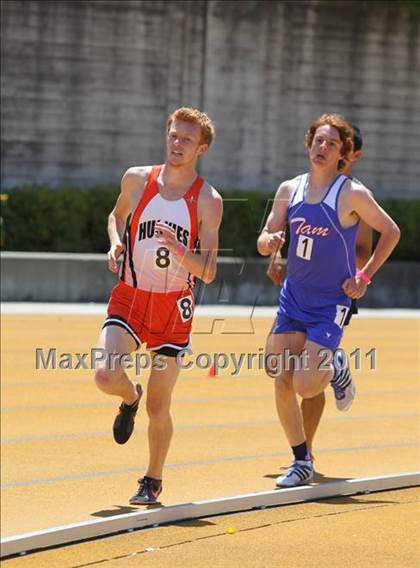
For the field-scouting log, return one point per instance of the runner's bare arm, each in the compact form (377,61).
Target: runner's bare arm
(370,212)
(364,205)
(203,265)
(276,270)
(272,236)
(364,244)
(132,184)
(364,238)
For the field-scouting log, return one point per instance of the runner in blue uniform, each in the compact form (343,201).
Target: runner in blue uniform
(312,408)
(322,210)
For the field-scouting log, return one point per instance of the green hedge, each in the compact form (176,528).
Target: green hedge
(37,218)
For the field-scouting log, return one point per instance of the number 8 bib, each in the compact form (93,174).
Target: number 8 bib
(185,307)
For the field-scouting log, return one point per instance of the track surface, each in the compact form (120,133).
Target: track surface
(60,464)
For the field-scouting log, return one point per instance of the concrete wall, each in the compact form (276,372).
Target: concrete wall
(56,277)
(87,85)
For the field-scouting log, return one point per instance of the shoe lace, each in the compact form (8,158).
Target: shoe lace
(144,485)
(289,468)
(127,407)
(302,468)
(311,459)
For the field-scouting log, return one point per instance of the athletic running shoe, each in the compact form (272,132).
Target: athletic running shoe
(342,383)
(299,473)
(124,421)
(148,491)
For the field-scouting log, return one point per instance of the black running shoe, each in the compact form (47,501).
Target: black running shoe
(124,421)
(148,491)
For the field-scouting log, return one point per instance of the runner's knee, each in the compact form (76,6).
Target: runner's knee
(157,408)
(305,388)
(283,386)
(105,378)
(273,366)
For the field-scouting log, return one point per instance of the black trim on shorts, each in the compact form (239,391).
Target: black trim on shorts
(121,323)
(170,351)
(125,253)
(352,311)
(130,257)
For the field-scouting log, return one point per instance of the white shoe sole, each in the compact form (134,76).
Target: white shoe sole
(282,482)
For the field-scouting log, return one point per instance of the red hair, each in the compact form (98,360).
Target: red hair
(344,129)
(194,116)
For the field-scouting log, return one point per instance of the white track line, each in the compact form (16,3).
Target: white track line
(105,527)
(89,309)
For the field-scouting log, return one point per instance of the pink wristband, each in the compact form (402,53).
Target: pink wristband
(180,250)
(364,277)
